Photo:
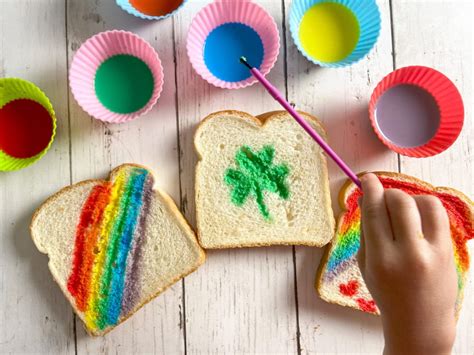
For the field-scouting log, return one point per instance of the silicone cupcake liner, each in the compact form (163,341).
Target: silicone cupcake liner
(445,94)
(93,53)
(126,6)
(237,11)
(12,89)
(367,14)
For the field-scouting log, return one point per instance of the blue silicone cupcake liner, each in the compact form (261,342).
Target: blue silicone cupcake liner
(368,15)
(126,6)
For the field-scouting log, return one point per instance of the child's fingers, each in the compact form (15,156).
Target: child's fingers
(375,221)
(434,219)
(404,216)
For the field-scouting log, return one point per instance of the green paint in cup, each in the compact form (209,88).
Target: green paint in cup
(124,84)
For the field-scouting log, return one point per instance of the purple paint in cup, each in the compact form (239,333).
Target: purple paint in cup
(416,111)
(407,115)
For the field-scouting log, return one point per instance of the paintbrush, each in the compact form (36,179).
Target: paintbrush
(310,130)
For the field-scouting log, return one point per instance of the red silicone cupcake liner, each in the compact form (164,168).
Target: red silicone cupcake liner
(445,94)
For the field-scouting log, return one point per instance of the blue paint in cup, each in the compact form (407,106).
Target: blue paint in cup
(226,44)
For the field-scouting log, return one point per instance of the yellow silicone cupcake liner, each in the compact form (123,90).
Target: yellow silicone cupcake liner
(12,89)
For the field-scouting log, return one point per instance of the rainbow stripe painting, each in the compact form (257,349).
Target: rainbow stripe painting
(342,255)
(108,247)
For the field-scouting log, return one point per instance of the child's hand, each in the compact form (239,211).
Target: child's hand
(406,259)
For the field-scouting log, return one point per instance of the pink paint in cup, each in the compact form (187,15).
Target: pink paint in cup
(417,111)
(116,76)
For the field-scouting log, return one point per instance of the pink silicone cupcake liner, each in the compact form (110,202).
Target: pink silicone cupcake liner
(93,53)
(447,97)
(236,11)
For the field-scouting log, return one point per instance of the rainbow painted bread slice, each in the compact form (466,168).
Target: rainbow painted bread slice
(114,245)
(339,279)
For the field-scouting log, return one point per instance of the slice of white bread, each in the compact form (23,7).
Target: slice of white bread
(279,161)
(114,245)
(339,279)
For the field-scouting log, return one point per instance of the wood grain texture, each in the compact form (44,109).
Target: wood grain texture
(439,34)
(34,316)
(339,97)
(240,301)
(150,140)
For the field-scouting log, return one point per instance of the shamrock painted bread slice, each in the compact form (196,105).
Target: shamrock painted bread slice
(261,181)
(114,245)
(339,279)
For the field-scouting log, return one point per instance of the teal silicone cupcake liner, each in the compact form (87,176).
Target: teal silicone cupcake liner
(128,7)
(367,14)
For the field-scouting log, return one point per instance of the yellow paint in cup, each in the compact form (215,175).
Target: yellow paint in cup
(329,32)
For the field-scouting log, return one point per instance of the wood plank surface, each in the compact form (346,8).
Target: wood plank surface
(35,316)
(240,301)
(439,34)
(339,97)
(249,301)
(150,140)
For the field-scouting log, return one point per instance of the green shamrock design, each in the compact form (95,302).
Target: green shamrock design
(255,174)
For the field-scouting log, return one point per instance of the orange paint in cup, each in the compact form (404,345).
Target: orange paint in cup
(156,7)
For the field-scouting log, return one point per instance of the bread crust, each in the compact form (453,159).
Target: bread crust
(260,120)
(349,186)
(347,189)
(170,204)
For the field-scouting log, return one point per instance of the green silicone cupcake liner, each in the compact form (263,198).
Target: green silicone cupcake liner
(14,89)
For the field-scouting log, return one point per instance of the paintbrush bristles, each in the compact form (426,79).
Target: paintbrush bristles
(243,60)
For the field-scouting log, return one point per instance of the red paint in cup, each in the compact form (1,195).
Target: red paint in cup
(26,128)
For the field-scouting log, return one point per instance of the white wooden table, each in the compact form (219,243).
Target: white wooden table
(240,301)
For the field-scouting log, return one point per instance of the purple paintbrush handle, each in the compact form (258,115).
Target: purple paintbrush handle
(310,130)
